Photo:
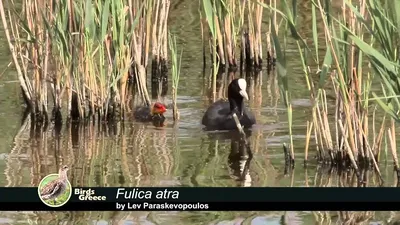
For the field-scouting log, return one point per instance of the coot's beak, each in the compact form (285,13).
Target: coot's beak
(243,93)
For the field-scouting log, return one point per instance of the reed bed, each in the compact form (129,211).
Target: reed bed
(251,46)
(159,73)
(232,27)
(347,72)
(92,55)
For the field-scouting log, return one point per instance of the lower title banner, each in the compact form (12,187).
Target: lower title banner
(198,199)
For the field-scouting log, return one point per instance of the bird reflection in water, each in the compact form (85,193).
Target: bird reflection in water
(239,160)
(240,155)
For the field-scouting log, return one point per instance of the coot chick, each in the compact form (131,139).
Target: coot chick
(219,115)
(152,114)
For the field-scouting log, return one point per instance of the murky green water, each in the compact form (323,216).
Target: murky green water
(181,154)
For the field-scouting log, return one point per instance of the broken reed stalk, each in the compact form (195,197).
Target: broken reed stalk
(243,134)
(238,124)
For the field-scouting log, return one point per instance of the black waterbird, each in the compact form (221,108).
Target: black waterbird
(219,115)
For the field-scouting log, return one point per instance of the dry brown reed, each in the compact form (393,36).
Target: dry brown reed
(29,57)
(94,52)
(237,24)
(159,74)
(350,141)
(251,36)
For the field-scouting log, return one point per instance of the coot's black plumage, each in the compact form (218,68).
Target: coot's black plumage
(219,115)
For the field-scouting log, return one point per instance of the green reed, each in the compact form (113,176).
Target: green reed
(210,11)
(283,83)
(281,65)
(176,70)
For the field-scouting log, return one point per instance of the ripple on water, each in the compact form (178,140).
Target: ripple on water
(171,156)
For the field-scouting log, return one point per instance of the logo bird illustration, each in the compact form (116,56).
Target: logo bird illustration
(57,187)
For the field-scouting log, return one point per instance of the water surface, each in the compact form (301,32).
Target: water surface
(181,154)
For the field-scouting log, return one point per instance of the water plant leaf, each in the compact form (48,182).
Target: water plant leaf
(294,7)
(89,23)
(387,108)
(281,66)
(374,54)
(136,20)
(114,20)
(104,19)
(64,18)
(325,67)
(396,12)
(208,9)
(315,31)
(121,23)
(389,83)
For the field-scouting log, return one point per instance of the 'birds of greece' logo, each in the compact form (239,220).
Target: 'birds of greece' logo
(55,190)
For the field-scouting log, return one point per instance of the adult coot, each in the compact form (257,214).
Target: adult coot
(154,114)
(219,115)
